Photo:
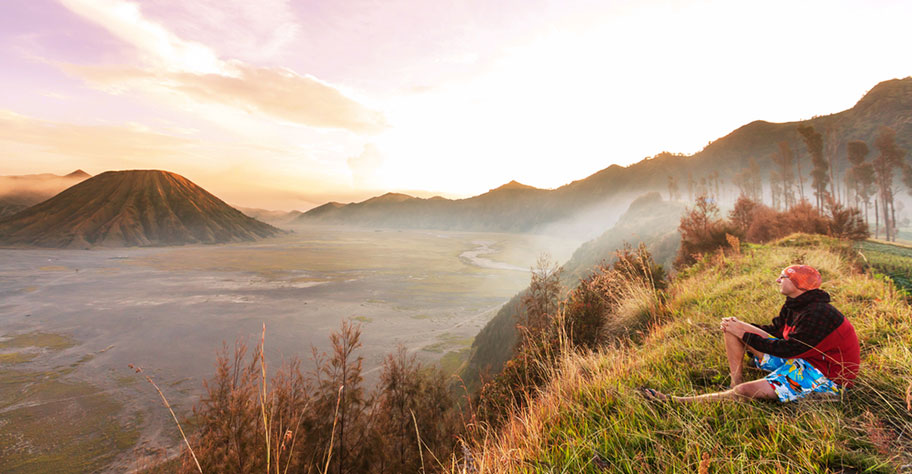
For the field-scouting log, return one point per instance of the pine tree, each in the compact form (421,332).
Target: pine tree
(783,159)
(890,156)
(861,174)
(819,175)
(672,188)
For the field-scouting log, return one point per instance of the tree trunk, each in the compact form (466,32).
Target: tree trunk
(876,221)
(800,178)
(867,221)
(884,206)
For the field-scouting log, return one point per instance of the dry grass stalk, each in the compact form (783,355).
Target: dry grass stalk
(263,397)
(734,242)
(418,437)
(909,397)
(139,370)
(332,433)
(877,433)
(704,464)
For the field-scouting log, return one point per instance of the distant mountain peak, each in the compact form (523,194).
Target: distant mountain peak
(514,185)
(390,197)
(887,90)
(131,208)
(78,174)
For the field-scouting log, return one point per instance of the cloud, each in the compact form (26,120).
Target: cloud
(274,92)
(364,166)
(247,30)
(125,21)
(230,170)
(193,70)
(95,142)
(285,95)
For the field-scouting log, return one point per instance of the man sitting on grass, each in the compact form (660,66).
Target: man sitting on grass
(810,347)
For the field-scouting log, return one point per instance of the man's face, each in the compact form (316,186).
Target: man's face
(786,287)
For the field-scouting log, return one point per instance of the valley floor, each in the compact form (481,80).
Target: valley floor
(72,320)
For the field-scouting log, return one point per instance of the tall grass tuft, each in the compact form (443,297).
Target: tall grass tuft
(139,370)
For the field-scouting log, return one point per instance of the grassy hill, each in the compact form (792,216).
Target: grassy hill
(589,418)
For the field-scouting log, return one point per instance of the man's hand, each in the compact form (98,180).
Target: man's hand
(734,326)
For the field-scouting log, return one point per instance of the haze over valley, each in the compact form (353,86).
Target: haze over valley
(170,309)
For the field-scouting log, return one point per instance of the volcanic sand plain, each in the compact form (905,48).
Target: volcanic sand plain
(72,320)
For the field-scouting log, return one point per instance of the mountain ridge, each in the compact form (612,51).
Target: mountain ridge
(19,192)
(889,103)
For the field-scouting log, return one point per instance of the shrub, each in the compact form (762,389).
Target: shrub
(312,421)
(609,305)
(702,231)
(846,223)
(413,400)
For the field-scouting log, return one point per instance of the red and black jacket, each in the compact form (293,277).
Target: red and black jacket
(809,327)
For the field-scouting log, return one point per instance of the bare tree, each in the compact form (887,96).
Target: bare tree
(541,301)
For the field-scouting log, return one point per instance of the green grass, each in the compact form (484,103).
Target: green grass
(590,413)
(49,423)
(892,261)
(31,345)
(447,341)
(12,358)
(54,342)
(452,361)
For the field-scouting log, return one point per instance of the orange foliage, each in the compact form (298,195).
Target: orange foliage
(702,232)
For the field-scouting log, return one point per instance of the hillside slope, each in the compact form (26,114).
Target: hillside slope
(590,419)
(649,219)
(131,208)
(19,192)
(519,208)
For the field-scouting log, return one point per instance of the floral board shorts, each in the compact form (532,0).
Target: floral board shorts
(794,378)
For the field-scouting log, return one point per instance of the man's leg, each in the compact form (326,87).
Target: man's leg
(755,390)
(734,350)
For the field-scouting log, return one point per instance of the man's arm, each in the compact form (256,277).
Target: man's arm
(810,329)
(784,348)
(775,328)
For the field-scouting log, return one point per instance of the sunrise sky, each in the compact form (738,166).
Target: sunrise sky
(287,104)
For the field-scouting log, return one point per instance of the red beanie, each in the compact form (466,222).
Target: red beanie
(804,277)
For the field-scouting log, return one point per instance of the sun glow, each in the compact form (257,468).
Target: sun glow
(544,97)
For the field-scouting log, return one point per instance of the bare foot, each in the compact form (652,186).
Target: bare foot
(654,395)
